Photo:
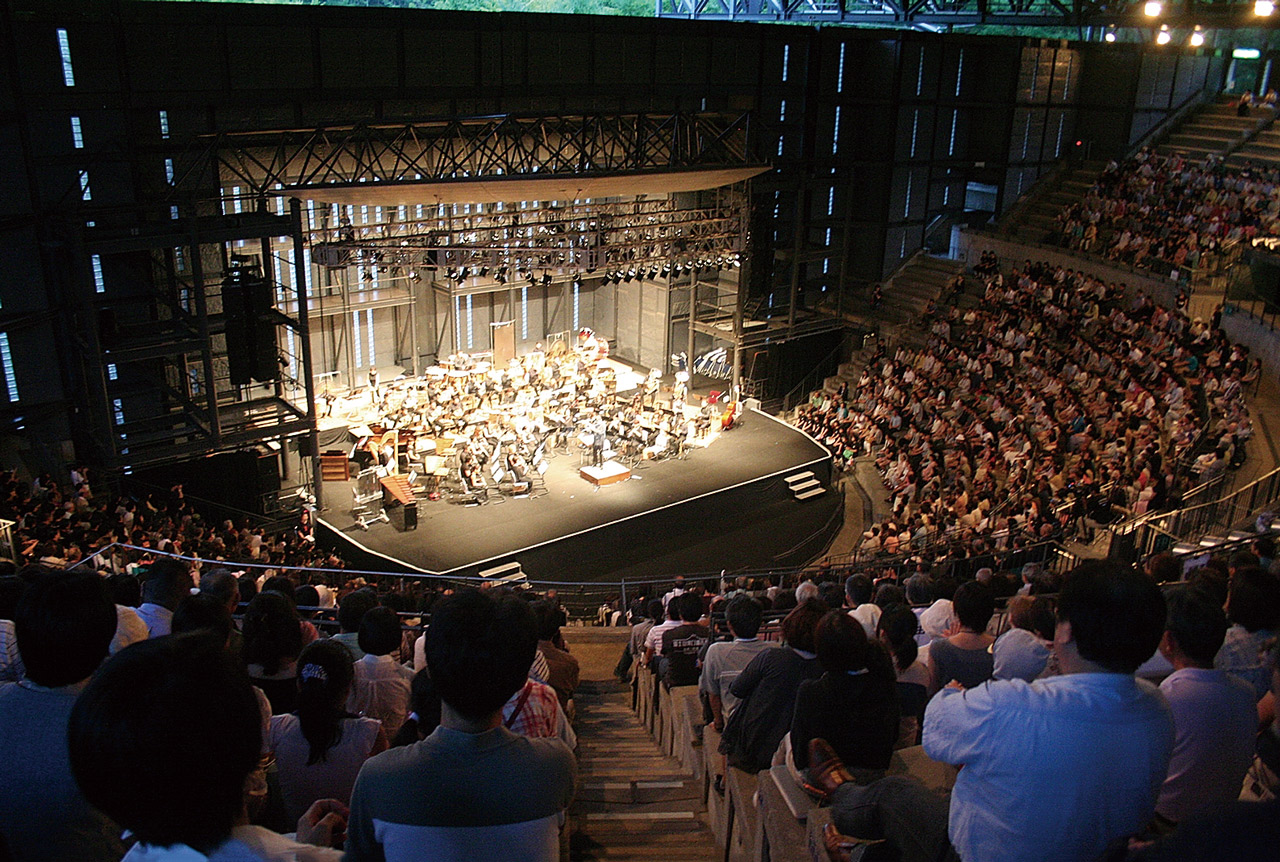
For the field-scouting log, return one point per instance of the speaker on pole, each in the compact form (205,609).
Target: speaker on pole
(247,304)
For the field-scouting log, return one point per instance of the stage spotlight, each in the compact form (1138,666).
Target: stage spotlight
(666,270)
(484,270)
(1197,37)
(462,273)
(1163,37)
(1264,8)
(546,278)
(1153,8)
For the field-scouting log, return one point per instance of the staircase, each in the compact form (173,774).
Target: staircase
(1213,129)
(1037,219)
(633,802)
(804,486)
(1262,150)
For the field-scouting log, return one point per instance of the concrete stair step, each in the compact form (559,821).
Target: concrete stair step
(798,479)
(811,493)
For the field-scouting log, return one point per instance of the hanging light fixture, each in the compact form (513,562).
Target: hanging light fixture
(1264,8)
(1197,37)
(1163,37)
(1153,8)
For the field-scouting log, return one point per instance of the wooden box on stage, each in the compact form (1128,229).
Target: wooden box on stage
(606,474)
(398,499)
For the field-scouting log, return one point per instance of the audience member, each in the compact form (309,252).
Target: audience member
(562,667)
(381,686)
(682,645)
(272,644)
(725,660)
(167,582)
(896,632)
(1253,608)
(965,657)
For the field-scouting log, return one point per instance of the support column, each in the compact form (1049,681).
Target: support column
(304,334)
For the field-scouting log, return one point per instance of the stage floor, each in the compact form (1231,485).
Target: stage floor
(456,539)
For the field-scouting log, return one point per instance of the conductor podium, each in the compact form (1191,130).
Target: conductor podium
(606,474)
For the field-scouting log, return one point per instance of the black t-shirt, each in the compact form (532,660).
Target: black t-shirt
(681,647)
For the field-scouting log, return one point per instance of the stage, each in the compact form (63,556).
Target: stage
(726,506)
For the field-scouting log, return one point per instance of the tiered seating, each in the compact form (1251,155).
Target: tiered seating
(1262,150)
(1214,129)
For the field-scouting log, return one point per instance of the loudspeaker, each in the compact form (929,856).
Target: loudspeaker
(247,302)
(304,446)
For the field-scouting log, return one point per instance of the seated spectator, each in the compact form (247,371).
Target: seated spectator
(272,643)
(425,716)
(183,801)
(64,623)
(682,645)
(320,747)
(562,667)
(381,686)
(766,691)
(853,705)
(965,656)
(167,582)
(223,585)
(1025,651)
(351,610)
(857,591)
(472,789)
(725,660)
(1262,783)
(1214,718)
(11,590)
(633,653)
(896,632)
(1253,608)
(534,711)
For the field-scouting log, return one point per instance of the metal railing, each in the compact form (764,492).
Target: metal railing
(1159,531)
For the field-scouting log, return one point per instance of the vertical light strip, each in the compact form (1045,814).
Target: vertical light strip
(575,307)
(786,61)
(373,354)
(164,125)
(471,340)
(64,47)
(835,133)
(99,283)
(85,193)
(355,335)
(524,312)
(840,70)
(77,135)
(6,359)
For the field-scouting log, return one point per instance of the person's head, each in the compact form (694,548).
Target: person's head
(174,771)
(1108,615)
(379,632)
(64,624)
(1242,560)
(167,582)
(1163,568)
(973,605)
(325,673)
(798,627)
(654,610)
(479,648)
(272,632)
(897,631)
(424,703)
(690,607)
(306,596)
(1034,614)
(841,643)
(223,586)
(858,589)
(547,616)
(11,589)
(1195,626)
(202,612)
(890,594)
(806,590)
(743,615)
(353,607)
(1265,547)
(1253,599)
(831,593)
(281,584)
(673,608)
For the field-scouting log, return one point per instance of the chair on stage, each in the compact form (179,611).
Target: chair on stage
(367,499)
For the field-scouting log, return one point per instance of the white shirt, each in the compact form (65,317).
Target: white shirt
(1216,724)
(247,844)
(381,690)
(869,615)
(1055,769)
(653,640)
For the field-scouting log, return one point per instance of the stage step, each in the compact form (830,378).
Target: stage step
(798,478)
(805,486)
(507,573)
(811,493)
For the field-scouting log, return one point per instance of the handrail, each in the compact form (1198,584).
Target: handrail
(1196,99)
(1140,520)
(806,384)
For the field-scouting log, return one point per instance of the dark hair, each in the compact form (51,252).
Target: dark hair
(898,625)
(272,632)
(654,610)
(306,596)
(479,649)
(1266,546)
(325,673)
(831,593)
(1196,622)
(744,614)
(1116,614)
(203,611)
(64,624)
(890,594)
(248,587)
(974,603)
(798,627)
(690,607)
(785,600)
(1034,614)
(11,589)
(281,584)
(859,589)
(1210,579)
(1164,568)
(167,579)
(125,590)
(425,703)
(379,632)
(547,616)
(1253,599)
(1243,559)
(353,607)
(174,771)
(841,643)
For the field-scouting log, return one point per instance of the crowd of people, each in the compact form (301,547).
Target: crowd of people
(1057,404)
(1101,714)
(174,729)
(1167,212)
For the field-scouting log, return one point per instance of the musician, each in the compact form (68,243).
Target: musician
(598,440)
(518,467)
(651,387)
(680,392)
(374,394)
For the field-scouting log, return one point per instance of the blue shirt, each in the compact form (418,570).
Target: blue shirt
(1054,769)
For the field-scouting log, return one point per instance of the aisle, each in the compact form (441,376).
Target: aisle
(633,803)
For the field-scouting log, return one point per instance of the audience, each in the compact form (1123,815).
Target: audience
(1253,608)
(965,657)
(320,747)
(896,632)
(64,623)
(473,789)
(381,686)
(272,644)
(682,645)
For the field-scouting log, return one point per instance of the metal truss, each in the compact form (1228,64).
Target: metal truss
(945,13)
(609,236)
(475,149)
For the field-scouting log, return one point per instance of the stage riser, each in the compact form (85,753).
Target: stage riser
(755,525)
